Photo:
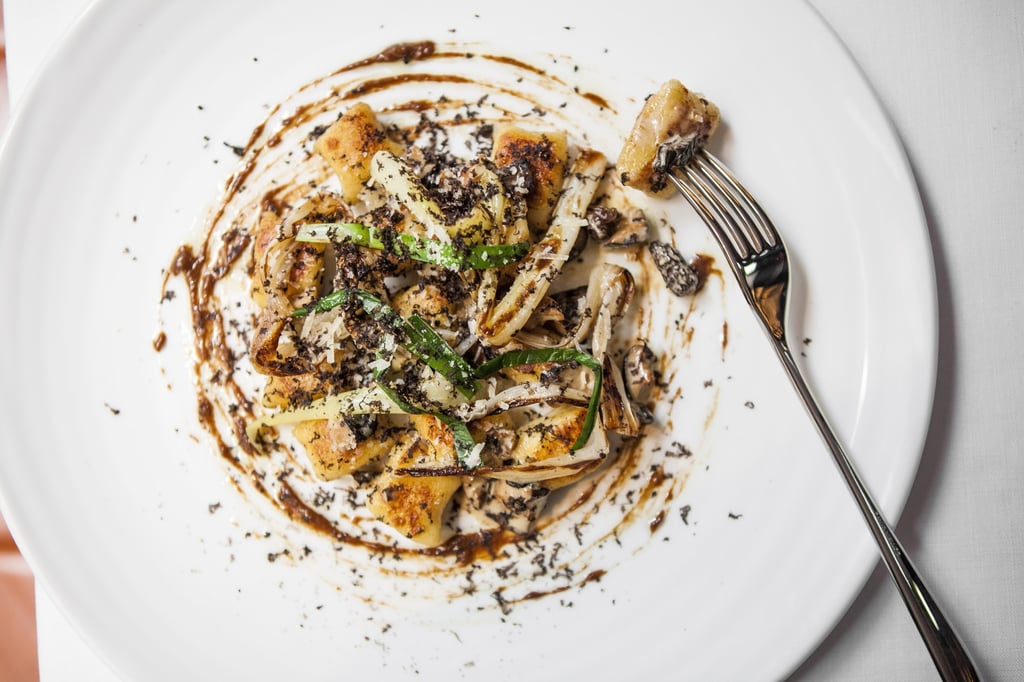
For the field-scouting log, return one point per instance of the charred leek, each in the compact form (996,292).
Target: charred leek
(532,356)
(367,400)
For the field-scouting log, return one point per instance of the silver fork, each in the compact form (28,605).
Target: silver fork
(757,256)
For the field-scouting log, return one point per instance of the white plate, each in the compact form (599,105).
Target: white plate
(113,493)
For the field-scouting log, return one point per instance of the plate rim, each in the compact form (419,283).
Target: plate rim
(65,49)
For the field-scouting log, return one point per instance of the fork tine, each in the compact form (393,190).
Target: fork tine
(695,198)
(755,216)
(763,276)
(733,207)
(729,215)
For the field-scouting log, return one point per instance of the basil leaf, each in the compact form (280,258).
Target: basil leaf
(465,446)
(449,256)
(517,358)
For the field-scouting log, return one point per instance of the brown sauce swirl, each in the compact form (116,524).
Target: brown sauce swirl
(579,523)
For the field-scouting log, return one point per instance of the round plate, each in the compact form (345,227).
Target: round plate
(127,516)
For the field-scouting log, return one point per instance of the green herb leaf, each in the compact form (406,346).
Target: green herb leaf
(435,351)
(420,338)
(469,257)
(517,358)
(324,303)
(465,446)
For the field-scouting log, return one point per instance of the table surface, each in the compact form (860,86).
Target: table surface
(951,76)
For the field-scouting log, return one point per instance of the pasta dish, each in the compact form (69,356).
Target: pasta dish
(429,307)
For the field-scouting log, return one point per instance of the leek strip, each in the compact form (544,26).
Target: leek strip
(516,358)
(448,256)
(521,395)
(397,179)
(420,338)
(367,400)
(499,322)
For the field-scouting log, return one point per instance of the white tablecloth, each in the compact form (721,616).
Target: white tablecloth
(951,76)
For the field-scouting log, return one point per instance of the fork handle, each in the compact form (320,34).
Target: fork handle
(947,651)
